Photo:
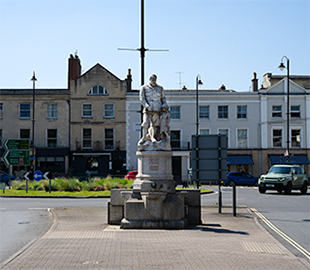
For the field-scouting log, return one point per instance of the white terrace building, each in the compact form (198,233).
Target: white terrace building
(254,122)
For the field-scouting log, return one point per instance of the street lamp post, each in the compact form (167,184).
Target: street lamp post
(282,67)
(33,79)
(69,139)
(198,82)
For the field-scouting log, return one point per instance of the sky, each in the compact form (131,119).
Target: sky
(222,41)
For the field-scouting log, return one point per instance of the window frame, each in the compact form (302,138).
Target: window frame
(276,113)
(222,114)
(51,141)
(86,139)
(175,141)
(175,115)
(84,111)
(56,163)
(24,130)
(242,137)
(240,113)
(204,114)
(202,131)
(292,137)
(52,111)
(21,111)
(273,137)
(293,112)
(107,110)
(107,139)
(95,91)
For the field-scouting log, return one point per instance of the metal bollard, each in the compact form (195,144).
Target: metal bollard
(234,200)
(220,200)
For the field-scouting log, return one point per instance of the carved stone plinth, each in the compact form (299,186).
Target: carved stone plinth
(154,171)
(153,203)
(154,210)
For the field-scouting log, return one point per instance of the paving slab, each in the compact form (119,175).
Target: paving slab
(81,239)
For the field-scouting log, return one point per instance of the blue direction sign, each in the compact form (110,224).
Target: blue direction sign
(37,175)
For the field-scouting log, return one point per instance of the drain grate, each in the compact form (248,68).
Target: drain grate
(262,247)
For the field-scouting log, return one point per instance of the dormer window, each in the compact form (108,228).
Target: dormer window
(98,90)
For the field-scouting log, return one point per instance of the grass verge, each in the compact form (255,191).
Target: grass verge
(41,193)
(35,193)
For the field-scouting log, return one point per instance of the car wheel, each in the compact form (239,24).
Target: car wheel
(261,189)
(256,183)
(304,188)
(231,183)
(288,188)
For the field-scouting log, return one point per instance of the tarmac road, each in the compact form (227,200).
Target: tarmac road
(19,228)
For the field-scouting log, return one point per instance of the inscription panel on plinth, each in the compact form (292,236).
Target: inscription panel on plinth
(154,164)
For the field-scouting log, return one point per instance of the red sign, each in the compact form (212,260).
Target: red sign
(287,153)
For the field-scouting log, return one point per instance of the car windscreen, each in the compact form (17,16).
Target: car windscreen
(284,170)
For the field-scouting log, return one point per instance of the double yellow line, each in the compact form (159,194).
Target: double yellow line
(283,235)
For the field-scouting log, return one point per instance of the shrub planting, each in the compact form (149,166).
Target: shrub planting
(73,184)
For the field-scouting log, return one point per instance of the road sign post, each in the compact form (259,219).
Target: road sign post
(2,186)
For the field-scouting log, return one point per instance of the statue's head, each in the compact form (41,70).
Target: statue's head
(153,79)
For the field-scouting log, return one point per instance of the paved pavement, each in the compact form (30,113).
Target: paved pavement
(80,238)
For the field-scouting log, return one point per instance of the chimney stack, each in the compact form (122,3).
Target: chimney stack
(129,80)
(254,83)
(74,69)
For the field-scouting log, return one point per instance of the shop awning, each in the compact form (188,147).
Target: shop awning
(240,160)
(295,159)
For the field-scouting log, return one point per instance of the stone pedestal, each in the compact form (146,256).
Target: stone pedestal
(154,172)
(153,202)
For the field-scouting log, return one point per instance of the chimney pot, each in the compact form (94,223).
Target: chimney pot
(254,82)
(222,88)
(128,81)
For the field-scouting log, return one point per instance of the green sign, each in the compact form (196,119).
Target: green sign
(17,157)
(18,144)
